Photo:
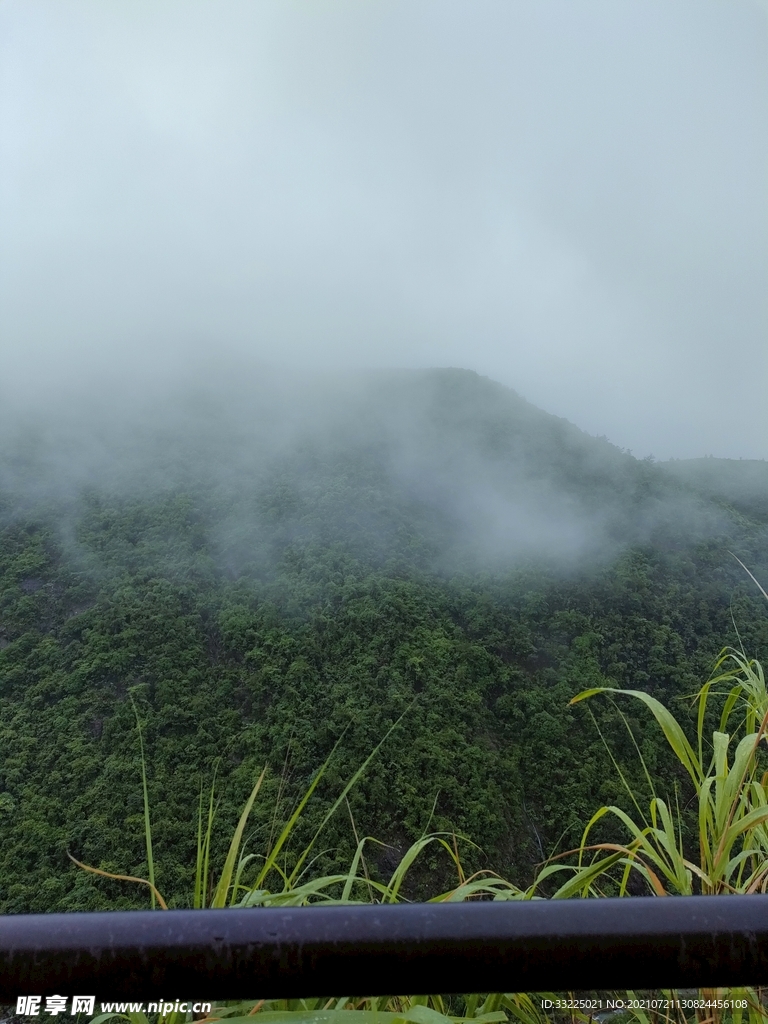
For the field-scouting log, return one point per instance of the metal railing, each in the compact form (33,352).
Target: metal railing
(563,945)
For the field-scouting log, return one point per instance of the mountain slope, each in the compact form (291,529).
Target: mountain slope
(741,483)
(268,561)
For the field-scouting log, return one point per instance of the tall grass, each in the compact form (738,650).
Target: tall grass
(259,879)
(253,880)
(727,776)
(730,786)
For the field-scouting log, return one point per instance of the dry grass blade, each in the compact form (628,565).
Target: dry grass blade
(120,878)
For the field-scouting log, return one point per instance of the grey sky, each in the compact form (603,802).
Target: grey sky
(569,197)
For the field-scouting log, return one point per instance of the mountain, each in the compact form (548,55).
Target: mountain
(263,561)
(740,483)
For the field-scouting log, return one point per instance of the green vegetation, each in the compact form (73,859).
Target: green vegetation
(732,858)
(459,562)
(730,802)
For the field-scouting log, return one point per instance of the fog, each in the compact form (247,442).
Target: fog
(441,470)
(566,197)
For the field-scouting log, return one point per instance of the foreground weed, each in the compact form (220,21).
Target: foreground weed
(273,885)
(731,794)
(729,791)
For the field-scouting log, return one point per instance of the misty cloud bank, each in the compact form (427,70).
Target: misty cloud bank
(568,197)
(440,468)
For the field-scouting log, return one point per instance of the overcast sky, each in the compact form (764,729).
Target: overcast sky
(569,197)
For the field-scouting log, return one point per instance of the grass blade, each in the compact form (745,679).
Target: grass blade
(147,824)
(220,896)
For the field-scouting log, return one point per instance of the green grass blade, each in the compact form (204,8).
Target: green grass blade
(669,726)
(222,889)
(197,898)
(271,860)
(147,823)
(342,797)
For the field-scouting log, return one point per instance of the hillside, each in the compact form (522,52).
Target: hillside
(267,561)
(741,483)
